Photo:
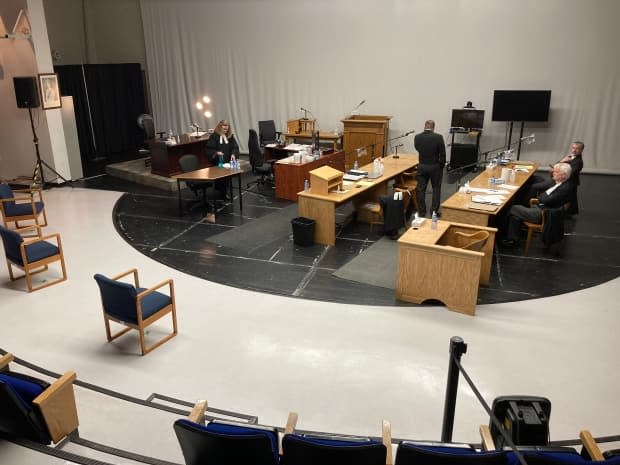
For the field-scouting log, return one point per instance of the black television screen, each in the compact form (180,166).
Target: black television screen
(521,105)
(467,118)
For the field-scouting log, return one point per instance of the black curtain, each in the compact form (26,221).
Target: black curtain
(107,101)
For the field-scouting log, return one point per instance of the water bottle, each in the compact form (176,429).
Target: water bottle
(220,161)
(233,162)
(356,165)
(434,220)
(306,185)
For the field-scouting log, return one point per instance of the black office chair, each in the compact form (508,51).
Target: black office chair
(145,122)
(267,132)
(189,162)
(257,160)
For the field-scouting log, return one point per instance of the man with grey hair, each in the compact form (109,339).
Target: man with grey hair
(432,151)
(555,196)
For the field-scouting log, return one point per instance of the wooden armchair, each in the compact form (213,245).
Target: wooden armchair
(26,205)
(32,255)
(409,181)
(33,409)
(474,241)
(533,227)
(136,307)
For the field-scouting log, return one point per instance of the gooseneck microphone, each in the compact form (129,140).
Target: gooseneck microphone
(357,107)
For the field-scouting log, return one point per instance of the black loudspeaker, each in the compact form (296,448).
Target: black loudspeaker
(26,92)
(463,155)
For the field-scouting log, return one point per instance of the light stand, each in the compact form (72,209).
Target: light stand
(39,161)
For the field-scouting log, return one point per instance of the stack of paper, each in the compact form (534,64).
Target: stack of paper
(490,199)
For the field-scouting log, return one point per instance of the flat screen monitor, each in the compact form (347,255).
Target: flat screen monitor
(521,105)
(467,118)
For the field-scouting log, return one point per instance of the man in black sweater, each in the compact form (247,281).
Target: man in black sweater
(432,150)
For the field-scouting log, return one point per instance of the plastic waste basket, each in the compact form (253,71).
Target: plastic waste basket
(303,231)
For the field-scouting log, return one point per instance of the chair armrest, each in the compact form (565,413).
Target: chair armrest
(534,202)
(487,439)
(57,406)
(289,428)
(136,278)
(152,289)
(5,360)
(28,228)
(28,241)
(386,436)
(197,415)
(590,445)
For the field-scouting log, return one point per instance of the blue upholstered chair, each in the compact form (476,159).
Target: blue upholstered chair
(220,442)
(26,205)
(412,453)
(302,449)
(34,409)
(32,255)
(136,307)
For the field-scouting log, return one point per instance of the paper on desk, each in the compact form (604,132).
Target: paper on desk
(271,145)
(496,191)
(522,170)
(490,199)
(365,183)
(295,146)
(286,160)
(510,186)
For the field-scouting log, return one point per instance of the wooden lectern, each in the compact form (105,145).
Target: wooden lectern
(369,131)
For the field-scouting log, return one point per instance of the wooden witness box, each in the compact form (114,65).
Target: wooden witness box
(431,267)
(325,179)
(165,158)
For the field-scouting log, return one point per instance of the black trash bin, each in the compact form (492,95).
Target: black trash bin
(303,231)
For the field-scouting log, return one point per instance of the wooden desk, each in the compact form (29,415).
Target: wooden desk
(334,137)
(430,268)
(212,173)
(322,208)
(276,152)
(165,158)
(458,207)
(290,176)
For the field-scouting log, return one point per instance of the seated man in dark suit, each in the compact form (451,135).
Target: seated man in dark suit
(540,183)
(555,196)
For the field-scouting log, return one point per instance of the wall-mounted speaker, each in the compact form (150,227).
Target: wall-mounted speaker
(26,92)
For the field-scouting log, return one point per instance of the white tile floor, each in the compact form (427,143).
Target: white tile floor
(342,367)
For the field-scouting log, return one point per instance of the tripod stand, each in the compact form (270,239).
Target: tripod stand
(38,166)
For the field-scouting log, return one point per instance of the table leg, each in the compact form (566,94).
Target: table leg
(180,200)
(240,196)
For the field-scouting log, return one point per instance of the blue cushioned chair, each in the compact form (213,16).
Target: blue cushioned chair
(27,205)
(32,255)
(411,453)
(33,409)
(136,307)
(220,442)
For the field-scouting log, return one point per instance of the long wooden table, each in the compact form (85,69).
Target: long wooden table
(429,267)
(460,208)
(322,208)
(212,173)
(290,176)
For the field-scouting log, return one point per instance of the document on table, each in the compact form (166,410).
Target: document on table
(271,146)
(295,147)
(489,199)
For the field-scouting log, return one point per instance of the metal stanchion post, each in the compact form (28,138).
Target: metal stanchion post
(457,349)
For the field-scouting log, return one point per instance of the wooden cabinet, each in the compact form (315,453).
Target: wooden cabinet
(365,131)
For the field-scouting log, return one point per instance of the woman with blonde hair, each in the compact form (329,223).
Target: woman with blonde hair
(221,146)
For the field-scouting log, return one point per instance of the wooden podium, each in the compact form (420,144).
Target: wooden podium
(369,131)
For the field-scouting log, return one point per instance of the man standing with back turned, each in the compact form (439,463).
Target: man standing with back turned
(432,150)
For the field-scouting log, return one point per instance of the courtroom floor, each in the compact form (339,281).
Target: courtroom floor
(149,220)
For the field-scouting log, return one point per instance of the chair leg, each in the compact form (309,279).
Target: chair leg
(528,240)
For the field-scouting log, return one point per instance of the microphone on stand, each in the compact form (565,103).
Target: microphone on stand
(409,132)
(357,107)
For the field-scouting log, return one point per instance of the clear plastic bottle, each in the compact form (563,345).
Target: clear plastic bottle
(306,185)
(233,162)
(356,165)
(434,220)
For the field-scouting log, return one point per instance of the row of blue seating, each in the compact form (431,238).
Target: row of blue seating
(33,409)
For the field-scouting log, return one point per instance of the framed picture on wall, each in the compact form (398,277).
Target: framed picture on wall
(50,93)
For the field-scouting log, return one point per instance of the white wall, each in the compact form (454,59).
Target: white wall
(410,59)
